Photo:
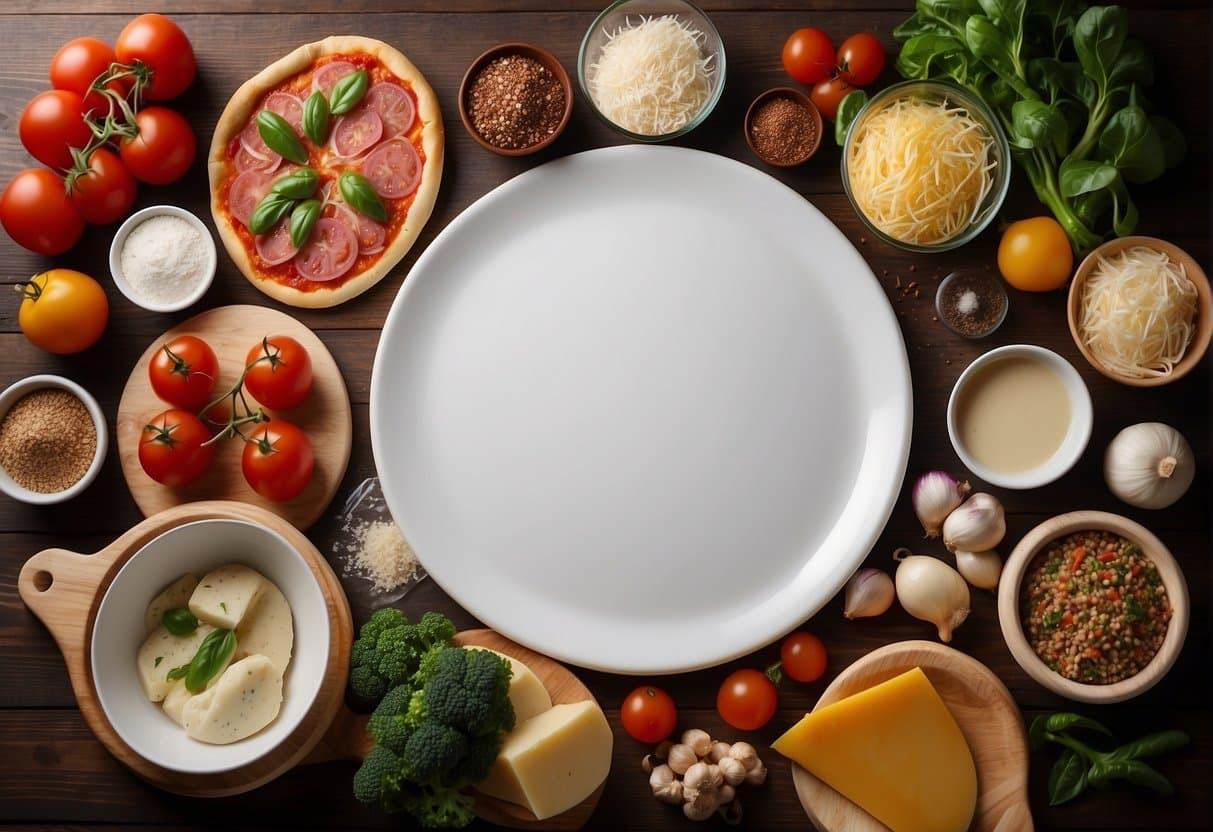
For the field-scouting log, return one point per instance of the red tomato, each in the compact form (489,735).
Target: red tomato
(281,376)
(107,191)
(860,59)
(747,699)
(278,462)
(159,43)
(77,64)
(648,714)
(171,450)
(52,123)
(37,214)
(163,149)
(803,657)
(827,95)
(183,372)
(808,56)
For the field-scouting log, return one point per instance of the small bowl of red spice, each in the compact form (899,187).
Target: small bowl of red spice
(52,439)
(783,127)
(515,99)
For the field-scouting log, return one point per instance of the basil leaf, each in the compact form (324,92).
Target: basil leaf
(316,117)
(1084,177)
(177,673)
(212,655)
(848,109)
(179,621)
(303,219)
(268,212)
(1130,142)
(277,132)
(1099,35)
(360,194)
(1151,745)
(1057,723)
(1143,774)
(299,184)
(1067,778)
(348,92)
(1040,124)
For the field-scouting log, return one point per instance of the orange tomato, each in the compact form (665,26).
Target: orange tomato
(1034,255)
(64,311)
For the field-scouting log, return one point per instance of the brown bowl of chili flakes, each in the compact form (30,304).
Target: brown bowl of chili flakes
(1093,606)
(515,99)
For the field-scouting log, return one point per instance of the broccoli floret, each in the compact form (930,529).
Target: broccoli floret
(378,778)
(440,807)
(470,690)
(387,726)
(475,765)
(389,650)
(432,751)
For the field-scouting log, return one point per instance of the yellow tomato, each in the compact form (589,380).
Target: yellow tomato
(64,311)
(1035,255)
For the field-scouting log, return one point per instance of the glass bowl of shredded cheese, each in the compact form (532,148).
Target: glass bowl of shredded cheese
(652,69)
(1140,311)
(926,166)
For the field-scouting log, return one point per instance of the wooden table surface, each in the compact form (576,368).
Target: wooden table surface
(54,775)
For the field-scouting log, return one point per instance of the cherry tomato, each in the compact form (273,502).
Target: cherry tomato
(860,59)
(278,463)
(171,450)
(63,311)
(808,56)
(183,372)
(1034,255)
(803,657)
(282,375)
(77,64)
(107,191)
(159,43)
(163,149)
(37,214)
(747,699)
(648,714)
(52,123)
(828,94)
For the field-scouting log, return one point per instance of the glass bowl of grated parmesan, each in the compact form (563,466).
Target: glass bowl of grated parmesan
(163,258)
(652,69)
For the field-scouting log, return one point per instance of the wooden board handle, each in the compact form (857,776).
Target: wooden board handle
(59,587)
(1016,818)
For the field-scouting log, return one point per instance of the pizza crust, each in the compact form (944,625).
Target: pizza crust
(241,108)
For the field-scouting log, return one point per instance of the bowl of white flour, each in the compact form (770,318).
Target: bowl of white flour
(163,258)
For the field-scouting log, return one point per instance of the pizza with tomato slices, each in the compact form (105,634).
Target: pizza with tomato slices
(324,168)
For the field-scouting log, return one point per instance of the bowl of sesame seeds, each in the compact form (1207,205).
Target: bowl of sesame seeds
(1093,606)
(515,99)
(52,439)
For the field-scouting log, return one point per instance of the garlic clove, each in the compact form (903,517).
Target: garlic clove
(718,751)
(979,524)
(746,753)
(681,757)
(935,495)
(932,591)
(981,569)
(732,770)
(699,741)
(870,592)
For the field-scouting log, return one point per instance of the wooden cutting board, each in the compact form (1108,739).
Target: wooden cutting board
(325,416)
(982,707)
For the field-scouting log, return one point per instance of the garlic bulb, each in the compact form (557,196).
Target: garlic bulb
(681,758)
(981,569)
(931,590)
(1149,465)
(732,770)
(978,524)
(935,495)
(698,739)
(665,785)
(718,751)
(869,592)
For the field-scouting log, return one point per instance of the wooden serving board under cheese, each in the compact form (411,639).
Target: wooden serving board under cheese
(983,709)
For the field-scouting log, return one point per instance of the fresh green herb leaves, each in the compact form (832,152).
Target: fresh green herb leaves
(1081,766)
(158,660)
(360,194)
(212,656)
(269,211)
(278,133)
(299,184)
(348,92)
(283,199)
(179,621)
(848,109)
(316,118)
(303,220)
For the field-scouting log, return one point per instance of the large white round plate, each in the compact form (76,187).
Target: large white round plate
(643,409)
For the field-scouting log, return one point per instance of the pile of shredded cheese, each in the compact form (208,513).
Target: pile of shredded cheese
(382,556)
(1138,312)
(921,170)
(652,78)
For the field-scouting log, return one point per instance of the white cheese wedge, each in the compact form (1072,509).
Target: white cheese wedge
(553,761)
(527,693)
(267,629)
(223,596)
(177,594)
(245,700)
(179,694)
(161,652)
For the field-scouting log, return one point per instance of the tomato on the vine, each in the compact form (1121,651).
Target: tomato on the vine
(278,462)
(649,714)
(171,448)
(281,373)
(158,43)
(183,372)
(63,311)
(827,95)
(77,64)
(105,192)
(860,59)
(51,124)
(803,657)
(808,55)
(37,214)
(747,699)
(163,148)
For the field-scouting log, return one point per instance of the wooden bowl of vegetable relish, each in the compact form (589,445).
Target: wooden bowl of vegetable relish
(1093,606)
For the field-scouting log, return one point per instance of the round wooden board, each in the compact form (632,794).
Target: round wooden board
(325,416)
(348,740)
(64,589)
(982,707)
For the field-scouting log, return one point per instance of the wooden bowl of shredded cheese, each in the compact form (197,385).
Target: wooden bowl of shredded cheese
(1140,311)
